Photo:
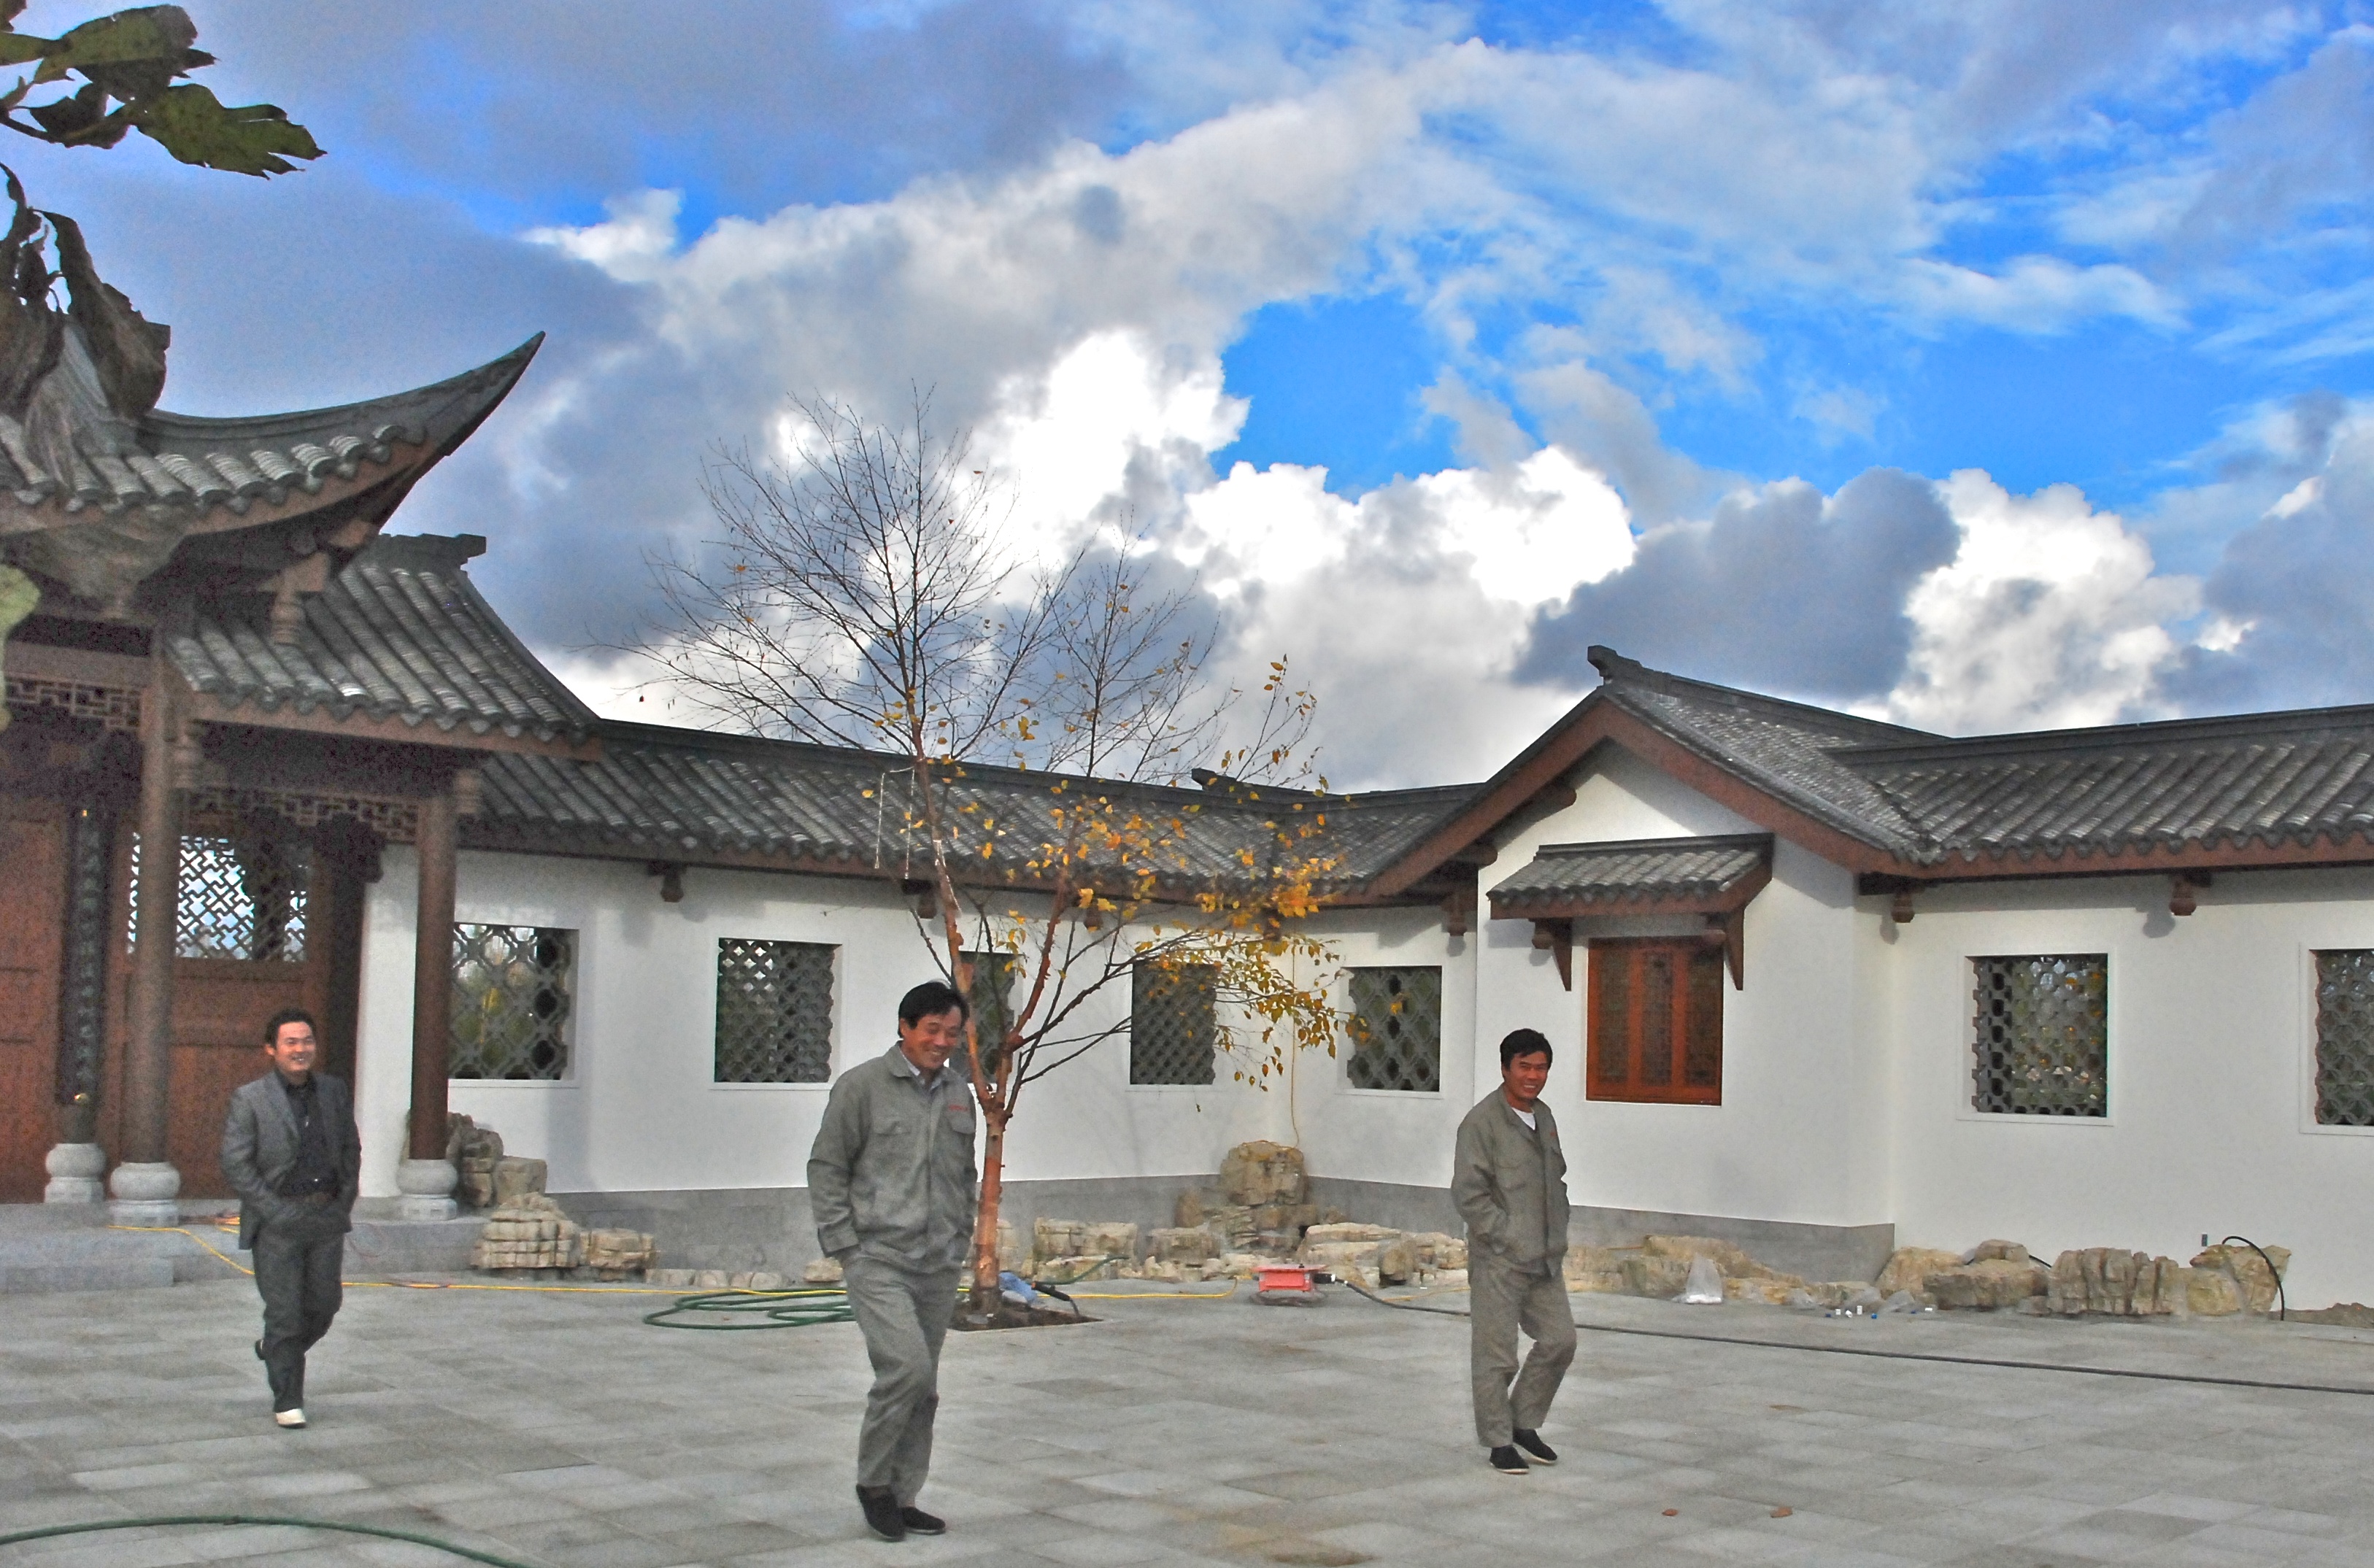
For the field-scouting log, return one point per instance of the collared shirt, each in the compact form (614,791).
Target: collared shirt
(316,1169)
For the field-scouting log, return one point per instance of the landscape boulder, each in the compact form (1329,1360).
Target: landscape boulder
(1908,1265)
(516,1178)
(1262,1173)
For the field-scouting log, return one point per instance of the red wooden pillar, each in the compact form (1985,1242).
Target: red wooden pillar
(425,1179)
(144,1186)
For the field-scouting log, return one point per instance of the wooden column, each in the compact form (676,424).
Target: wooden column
(148,1054)
(432,975)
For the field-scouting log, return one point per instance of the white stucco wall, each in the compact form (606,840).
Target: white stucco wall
(1798,1136)
(638,1110)
(2212,1125)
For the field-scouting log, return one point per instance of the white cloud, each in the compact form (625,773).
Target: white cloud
(2049,616)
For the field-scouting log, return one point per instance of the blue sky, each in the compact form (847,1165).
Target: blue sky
(1990,366)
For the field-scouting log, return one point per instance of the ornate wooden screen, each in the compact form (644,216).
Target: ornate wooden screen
(1656,1022)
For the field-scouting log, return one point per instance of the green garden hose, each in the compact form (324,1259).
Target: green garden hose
(775,1309)
(161,1520)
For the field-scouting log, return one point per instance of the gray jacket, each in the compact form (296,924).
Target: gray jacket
(259,1147)
(891,1175)
(1509,1182)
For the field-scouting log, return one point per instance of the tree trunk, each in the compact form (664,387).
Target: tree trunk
(992,1189)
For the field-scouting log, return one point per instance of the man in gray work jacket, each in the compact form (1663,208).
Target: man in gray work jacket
(1508,1179)
(891,1182)
(291,1153)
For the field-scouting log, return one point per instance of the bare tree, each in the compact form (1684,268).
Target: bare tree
(868,593)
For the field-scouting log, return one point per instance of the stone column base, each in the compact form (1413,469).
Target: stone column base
(426,1186)
(75,1170)
(145,1194)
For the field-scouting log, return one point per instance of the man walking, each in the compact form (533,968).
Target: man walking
(290,1152)
(891,1182)
(1508,1179)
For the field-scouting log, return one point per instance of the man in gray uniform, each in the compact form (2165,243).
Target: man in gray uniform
(891,1182)
(1508,1179)
(290,1152)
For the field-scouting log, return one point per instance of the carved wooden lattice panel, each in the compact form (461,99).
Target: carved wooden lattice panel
(513,991)
(1398,1038)
(2043,1034)
(242,898)
(2344,1038)
(774,1012)
(1173,1026)
(993,999)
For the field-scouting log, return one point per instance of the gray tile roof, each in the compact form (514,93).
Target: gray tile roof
(99,500)
(400,633)
(2294,778)
(1617,873)
(666,793)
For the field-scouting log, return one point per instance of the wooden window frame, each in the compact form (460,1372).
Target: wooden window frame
(1693,1010)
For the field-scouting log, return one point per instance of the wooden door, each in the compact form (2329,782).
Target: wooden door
(32,920)
(219,1006)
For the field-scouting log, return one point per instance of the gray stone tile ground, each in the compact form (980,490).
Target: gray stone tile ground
(556,1429)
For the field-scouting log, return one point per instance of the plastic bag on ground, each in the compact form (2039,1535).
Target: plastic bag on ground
(1705,1286)
(1019,1291)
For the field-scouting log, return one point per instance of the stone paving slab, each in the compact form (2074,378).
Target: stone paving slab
(557,1429)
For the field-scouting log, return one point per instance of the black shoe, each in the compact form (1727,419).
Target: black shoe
(918,1523)
(882,1512)
(1509,1462)
(259,1350)
(1535,1449)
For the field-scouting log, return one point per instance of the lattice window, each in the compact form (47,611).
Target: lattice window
(2344,1038)
(774,1012)
(2043,1034)
(1656,1022)
(993,998)
(1397,1029)
(1173,1022)
(242,898)
(514,988)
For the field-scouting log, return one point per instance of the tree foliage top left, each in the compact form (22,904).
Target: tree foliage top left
(130,64)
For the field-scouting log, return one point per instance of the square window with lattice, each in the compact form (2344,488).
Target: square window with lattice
(1173,1022)
(240,898)
(1655,1011)
(2344,1038)
(774,1012)
(1396,1030)
(993,999)
(2042,1034)
(515,990)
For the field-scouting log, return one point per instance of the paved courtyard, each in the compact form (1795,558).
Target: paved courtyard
(556,1429)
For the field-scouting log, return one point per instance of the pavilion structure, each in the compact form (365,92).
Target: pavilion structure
(225,694)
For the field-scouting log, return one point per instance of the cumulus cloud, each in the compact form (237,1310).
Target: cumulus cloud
(1782,589)
(2049,616)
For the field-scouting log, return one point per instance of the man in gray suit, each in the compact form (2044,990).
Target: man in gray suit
(1508,1177)
(891,1182)
(290,1151)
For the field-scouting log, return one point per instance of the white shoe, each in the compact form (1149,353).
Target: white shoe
(289,1418)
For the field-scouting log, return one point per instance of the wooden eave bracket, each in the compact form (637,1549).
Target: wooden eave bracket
(1556,938)
(671,875)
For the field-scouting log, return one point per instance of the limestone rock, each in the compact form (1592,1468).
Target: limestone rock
(2211,1292)
(669,1279)
(1988,1283)
(1731,1259)
(1264,1173)
(1058,1238)
(1997,1251)
(1323,1234)
(2116,1282)
(617,1253)
(1908,1265)
(1768,1292)
(1187,1213)
(821,1272)
(474,1151)
(709,1280)
(1240,1265)
(1188,1245)
(1658,1276)
(1438,1251)
(516,1177)
(1397,1261)
(2249,1270)
(1111,1238)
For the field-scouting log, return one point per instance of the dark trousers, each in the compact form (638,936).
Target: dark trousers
(904,1318)
(298,1262)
